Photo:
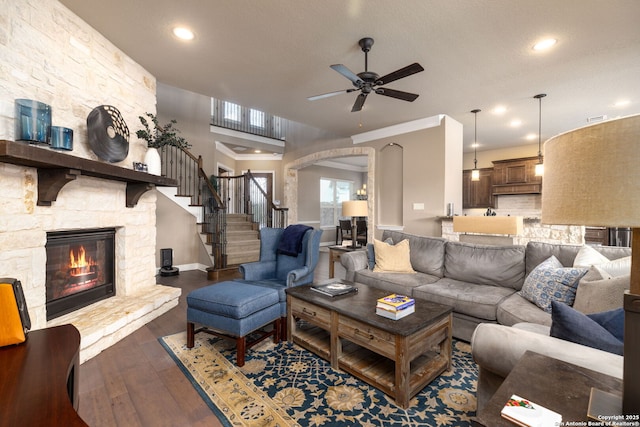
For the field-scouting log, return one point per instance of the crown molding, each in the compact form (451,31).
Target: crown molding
(399,129)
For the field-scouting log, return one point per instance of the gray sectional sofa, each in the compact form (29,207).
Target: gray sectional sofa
(480,282)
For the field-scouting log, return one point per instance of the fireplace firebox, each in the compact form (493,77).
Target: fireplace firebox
(80,269)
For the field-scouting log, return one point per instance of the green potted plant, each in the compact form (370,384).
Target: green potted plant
(158,136)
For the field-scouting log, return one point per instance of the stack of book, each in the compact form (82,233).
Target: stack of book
(395,306)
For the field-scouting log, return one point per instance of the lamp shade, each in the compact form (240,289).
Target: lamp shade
(592,175)
(355,208)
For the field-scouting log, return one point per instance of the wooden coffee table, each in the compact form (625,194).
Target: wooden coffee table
(399,357)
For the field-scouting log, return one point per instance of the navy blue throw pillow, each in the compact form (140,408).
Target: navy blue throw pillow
(612,321)
(571,325)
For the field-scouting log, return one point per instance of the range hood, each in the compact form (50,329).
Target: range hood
(516,176)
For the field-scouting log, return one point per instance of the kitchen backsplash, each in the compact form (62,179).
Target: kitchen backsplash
(526,205)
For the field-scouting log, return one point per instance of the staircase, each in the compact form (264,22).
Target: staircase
(243,239)
(230,233)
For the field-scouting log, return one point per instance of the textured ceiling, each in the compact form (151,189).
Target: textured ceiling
(272,55)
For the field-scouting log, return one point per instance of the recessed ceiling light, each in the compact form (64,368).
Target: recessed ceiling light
(622,103)
(500,109)
(515,123)
(544,44)
(258,151)
(531,136)
(183,33)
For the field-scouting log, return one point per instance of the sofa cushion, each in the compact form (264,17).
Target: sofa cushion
(400,283)
(549,281)
(516,309)
(485,265)
(596,293)
(587,256)
(571,325)
(392,258)
(472,299)
(427,253)
(537,252)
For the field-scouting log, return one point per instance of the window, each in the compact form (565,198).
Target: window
(231,111)
(256,118)
(332,193)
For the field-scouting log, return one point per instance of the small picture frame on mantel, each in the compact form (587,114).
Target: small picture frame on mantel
(140,167)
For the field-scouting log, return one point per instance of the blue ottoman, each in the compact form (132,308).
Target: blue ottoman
(233,310)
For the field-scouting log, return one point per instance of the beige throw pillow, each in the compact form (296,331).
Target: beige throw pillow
(588,256)
(596,293)
(392,258)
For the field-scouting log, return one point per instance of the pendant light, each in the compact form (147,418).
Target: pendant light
(540,165)
(475,173)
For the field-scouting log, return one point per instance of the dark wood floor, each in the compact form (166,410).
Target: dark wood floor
(136,383)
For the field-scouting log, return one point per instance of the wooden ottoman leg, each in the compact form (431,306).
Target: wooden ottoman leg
(241,348)
(276,330)
(190,334)
(283,328)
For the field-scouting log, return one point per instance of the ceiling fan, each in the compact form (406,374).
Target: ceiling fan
(368,81)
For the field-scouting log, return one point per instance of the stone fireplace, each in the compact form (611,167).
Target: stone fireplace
(75,69)
(84,204)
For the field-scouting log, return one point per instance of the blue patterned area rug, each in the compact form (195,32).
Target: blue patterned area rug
(286,385)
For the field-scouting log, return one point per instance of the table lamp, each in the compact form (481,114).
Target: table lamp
(354,209)
(592,177)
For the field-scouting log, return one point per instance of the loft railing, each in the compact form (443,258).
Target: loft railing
(233,116)
(220,196)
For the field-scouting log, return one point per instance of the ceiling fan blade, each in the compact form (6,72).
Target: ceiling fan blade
(400,74)
(327,95)
(357,106)
(348,74)
(398,94)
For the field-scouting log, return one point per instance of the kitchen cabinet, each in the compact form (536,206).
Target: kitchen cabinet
(477,194)
(516,176)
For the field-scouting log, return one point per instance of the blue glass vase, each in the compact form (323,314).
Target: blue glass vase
(32,121)
(61,138)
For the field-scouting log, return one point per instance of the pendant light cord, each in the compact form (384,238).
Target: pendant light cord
(539,97)
(475,138)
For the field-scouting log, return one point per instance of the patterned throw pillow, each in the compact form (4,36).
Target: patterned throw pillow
(550,281)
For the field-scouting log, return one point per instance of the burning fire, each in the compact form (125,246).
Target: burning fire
(79,263)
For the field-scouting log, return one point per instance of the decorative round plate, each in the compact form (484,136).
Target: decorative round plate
(108,133)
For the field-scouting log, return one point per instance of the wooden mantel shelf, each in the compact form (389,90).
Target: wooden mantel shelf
(56,169)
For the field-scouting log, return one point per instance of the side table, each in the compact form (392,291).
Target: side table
(552,383)
(39,379)
(335,252)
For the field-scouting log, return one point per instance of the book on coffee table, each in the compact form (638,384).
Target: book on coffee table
(395,314)
(525,413)
(395,302)
(334,289)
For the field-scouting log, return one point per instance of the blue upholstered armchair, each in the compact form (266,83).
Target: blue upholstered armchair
(280,271)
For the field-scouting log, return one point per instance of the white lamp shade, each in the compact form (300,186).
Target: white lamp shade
(355,208)
(592,175)
(475,175)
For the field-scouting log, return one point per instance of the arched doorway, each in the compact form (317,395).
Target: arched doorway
(291,179)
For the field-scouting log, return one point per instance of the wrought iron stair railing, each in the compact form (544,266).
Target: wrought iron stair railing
(220,196)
